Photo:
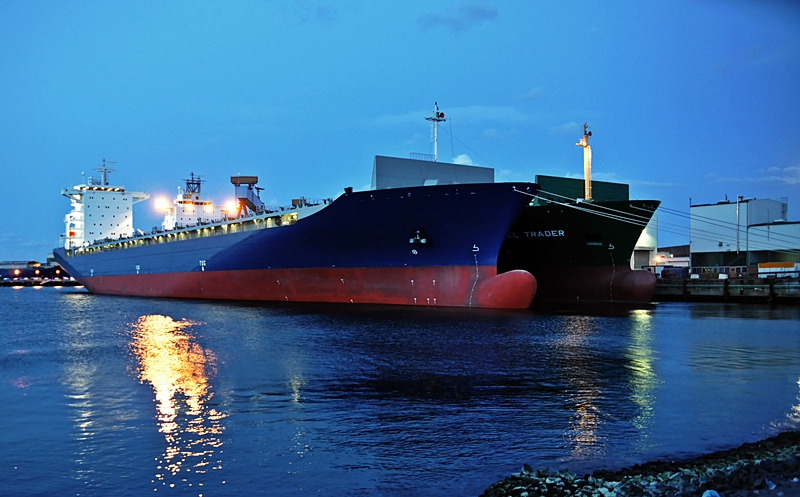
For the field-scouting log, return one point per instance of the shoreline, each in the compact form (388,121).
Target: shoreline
(767,467)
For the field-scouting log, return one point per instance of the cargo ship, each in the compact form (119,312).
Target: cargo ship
(427,246)
(578,245)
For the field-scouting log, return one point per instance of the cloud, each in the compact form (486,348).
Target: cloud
(612,178)
(24,248)
(471,113)
(782,175)
(531,95)
(477,113)
(569,128)
(787,175)
(757,56)
(490,133)
(597,176)
(660,184)
(315,11)
(397,119)
(465,17)
(463,159)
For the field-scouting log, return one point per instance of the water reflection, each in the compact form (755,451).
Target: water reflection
(794,415)
(608,365)
(81,375)
(178,370)
(643,379)
(584,387)
(752,311)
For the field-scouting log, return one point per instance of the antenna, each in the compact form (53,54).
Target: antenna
(193,183)
(103,170)
(435,119)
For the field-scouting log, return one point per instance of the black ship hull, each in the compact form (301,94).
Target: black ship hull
(581,252)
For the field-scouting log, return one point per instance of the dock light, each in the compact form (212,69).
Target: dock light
(230,209)
(162,204)
(16,272)
(230,206)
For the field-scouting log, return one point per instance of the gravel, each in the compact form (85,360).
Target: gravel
(770,467)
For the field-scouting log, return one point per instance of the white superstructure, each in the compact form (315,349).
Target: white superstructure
(99,211)
(189,208)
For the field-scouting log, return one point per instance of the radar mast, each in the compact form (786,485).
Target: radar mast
(435,119)
(103,170)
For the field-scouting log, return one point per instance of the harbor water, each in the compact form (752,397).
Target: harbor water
(125,396)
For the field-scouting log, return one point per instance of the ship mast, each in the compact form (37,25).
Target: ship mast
(193,186)
(587,162)
(103,170)
(435,119)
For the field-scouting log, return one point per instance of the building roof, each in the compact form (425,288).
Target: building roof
(776,223)
(741,201)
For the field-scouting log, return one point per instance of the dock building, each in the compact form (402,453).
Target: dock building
(744,236)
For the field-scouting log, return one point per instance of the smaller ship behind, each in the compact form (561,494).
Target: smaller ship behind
(579,248)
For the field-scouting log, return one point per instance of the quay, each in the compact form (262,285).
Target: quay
(32,282)
(33,273)
(752,290)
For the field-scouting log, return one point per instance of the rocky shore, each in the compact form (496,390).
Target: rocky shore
(770,467)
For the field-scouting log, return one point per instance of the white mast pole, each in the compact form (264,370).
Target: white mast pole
(435,120)
(587,162)
(436,141)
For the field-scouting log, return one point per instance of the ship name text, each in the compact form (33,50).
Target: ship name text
(536,234)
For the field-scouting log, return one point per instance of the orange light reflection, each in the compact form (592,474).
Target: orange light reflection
(178,370)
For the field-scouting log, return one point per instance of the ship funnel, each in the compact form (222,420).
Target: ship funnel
(247,193)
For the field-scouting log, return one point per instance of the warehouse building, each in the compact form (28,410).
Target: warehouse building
(744,236)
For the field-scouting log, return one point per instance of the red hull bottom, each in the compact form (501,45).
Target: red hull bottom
(595,284)
(453,286)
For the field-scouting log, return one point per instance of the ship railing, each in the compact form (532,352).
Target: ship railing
(743,271)
(267,209)
(718,269)
(205,228)
(306,202)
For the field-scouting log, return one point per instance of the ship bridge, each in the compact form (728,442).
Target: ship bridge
(99,210)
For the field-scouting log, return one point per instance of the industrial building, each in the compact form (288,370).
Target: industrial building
(744,236)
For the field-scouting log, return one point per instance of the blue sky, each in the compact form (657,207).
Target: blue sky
(691,99)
